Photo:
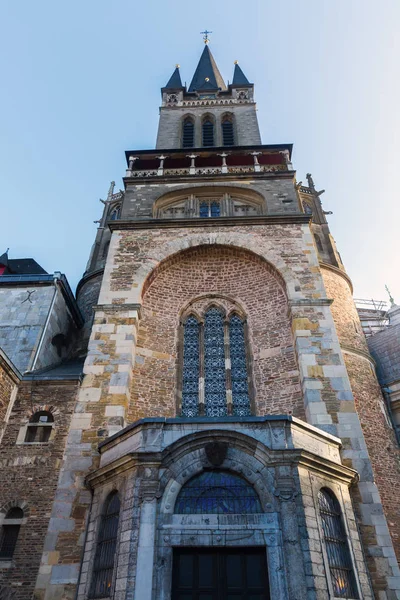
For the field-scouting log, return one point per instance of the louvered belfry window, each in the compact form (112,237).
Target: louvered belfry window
(337,546)
(188,133)
(227,132)
(106,549)
(215,380)
(9,532)
(208,133)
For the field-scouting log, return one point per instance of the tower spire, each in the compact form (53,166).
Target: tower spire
(175,79)
(207,75)
(239,78)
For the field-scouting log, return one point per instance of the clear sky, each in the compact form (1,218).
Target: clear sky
(81,84)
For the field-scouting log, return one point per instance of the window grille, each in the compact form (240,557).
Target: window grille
(337,548)
(240,386)
(39,427)
(191,368)
(208,133)
(10,532)
(210,209)
(106,549)
(188,134)
(217,492)
(227,132)
(207,348)
(214,364)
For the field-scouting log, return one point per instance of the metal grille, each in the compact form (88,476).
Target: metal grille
(208,133)
(188,134)
(191,368)
(217,492)
(106,548)
(340,565)
(227,133)
(214,364)
(240,385)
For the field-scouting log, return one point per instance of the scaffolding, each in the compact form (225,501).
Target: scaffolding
(373,315)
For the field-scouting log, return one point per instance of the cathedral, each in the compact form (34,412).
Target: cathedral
(203,419)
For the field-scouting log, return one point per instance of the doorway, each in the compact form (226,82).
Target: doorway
(220,574)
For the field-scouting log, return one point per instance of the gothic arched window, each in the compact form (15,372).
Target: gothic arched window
(188,133)
(217,492)
(337,547)
(115,213)
(39,427)
(228,138)
(208,132)
(215,373)
(106,548)
(9,533)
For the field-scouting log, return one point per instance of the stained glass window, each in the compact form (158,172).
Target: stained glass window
(337,548)
(240,386)
(106,549)
(214,364)
(210,209)
(217,492)
(191,368)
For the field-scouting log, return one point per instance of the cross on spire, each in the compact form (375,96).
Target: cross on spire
(205,35)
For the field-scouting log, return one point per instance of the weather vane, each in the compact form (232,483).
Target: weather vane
(205,36)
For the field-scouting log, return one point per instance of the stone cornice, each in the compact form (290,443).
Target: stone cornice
(86,278)
(325,467)
(128,462)
(338,272)
(310,302)
(357,352)
(293,219)
(119,307)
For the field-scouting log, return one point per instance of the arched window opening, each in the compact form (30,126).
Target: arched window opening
(217,492)
(318,242)
(210,208)
(337,547)
(188,133)
(10,531)
(215,379)
(115,213)
(39,427)
(106,548)
(228,138)
(208,133)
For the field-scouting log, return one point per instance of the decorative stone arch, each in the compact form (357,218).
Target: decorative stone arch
(169,254)
(246,457)
(53,410)
(226,303)
(184,194)
(14,503)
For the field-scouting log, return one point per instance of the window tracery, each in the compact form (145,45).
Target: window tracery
(337,547)
(217,492)
(209,205)
(215,380)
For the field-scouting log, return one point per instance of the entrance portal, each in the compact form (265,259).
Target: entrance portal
(220,574)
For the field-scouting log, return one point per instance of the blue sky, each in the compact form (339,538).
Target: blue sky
(81,84)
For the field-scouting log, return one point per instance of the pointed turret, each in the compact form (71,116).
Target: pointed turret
(207,75)
(175,80)
(239,78)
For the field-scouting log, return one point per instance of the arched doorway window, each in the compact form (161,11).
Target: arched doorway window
(217,492)
(215,379)
(337,546)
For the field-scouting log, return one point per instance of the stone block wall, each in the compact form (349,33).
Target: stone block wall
(28,478)
(171,119)
(9,379)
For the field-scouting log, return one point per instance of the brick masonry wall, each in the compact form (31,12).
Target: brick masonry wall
(250,282)
(29,475)
(7,385)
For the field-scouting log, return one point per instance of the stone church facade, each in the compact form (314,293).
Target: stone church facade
(226,436)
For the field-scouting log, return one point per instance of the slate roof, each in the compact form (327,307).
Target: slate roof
(21,266)
(175,80)
(239,78)
(385,349)
(207,68)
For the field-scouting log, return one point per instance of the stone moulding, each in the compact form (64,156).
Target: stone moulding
(338,272)
(281,219)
